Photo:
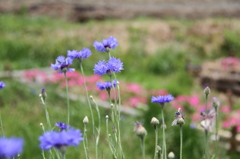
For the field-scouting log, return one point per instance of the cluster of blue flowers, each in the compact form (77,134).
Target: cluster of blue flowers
(10,147)
(69,136)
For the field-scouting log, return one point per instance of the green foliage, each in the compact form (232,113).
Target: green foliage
(167,61)
(231,44)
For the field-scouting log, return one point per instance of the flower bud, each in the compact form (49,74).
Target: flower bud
(159,149)
(215,103)
(106,117)
(180,121)
(140,130)
(85,120)
(154,122)
(171,155)
(207,91)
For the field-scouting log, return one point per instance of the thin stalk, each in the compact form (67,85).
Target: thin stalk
(89,104)
(85,143)
(43,155)
(180,142)
(156,142)
(68,109)
(216,133)
(47,116)
(163,131)
(51,154)
(1,125)
(143,147)
(206,102)
(63,156)
(118,115)
(206,145)
(99,127)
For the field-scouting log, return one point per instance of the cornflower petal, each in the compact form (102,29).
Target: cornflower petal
(10,147)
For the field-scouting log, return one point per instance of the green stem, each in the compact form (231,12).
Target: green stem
(216,135)
(180,141)
(47,116)
(118,112)
(206,101)
(206,145)
(85,143)
(1,126)
(68,109)
(89,104)
(156,142)
(164,139)
(99,127)
(63,156)
(143,147)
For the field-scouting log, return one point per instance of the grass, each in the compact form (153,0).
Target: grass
(154,53)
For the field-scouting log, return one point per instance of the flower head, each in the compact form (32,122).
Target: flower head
(62,126)
(207,119)
(106,44)
(215,102)
(106,85)
(207,91)
(162,99)
(83,54)
(113,65)
(179,120)
(10,147)
(2,84)
(140,130)
(64,138)
(62,64)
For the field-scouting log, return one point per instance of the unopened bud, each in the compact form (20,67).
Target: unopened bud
(159,149)
(171,155)
(180,121)
(207,91)
(85,120)
(107,117)
(154,122)
(141,132)
(215,102)
(91,97)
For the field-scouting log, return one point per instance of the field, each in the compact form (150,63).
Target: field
(154,52)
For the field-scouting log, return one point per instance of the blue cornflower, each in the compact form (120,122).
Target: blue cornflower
(106,85)
(2,84)
(62,64)
(106,44)
(61,139)
(61,125)
(83,54)
(113,65)
(162,99)
(10,147)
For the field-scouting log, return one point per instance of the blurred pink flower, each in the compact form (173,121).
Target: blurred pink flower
(194,100)
(225,109)
(35,75)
